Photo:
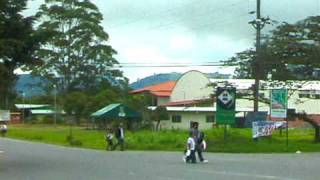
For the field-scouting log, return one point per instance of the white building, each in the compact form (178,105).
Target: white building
(191,98)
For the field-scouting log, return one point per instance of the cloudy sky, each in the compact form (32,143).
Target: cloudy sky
(187,31)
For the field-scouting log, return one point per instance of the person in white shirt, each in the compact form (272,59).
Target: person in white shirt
(109,139)
(3,129)
(191,149)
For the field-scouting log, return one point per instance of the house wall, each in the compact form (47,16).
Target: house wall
(162,100)
(186,118)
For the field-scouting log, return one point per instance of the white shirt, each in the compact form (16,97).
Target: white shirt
(191,143)
(121,133)
(3,127)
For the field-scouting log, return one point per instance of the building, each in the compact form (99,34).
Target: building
(192,98)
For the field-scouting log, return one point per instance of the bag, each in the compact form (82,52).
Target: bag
(188,152)
(204,145)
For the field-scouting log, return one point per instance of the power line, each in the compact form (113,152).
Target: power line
(168,65)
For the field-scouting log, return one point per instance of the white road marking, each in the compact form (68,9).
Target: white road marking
(1,152)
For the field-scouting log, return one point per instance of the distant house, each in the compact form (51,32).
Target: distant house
(37,111)
(115,113)
(192,98)
(160,92)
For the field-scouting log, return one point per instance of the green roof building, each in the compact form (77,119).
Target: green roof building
(116,112)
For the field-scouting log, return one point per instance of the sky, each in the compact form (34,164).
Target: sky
(187,31)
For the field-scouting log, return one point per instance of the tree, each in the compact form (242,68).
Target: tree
(76,104)
(313,123)
(160,113)
(288,46)
(298,44)
(18,43)
(76,50)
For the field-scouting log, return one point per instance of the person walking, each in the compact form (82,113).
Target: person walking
(120,137)
(199,140)
(190,156)
(3,129)
(109,138)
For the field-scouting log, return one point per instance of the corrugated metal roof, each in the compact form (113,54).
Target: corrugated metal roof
(45,111)
(42,111)
(205,109)
(31,106)
(161,93)
(161,89)
(105,109)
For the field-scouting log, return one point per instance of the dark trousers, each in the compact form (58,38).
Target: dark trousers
(109,145)
(192,157)
(121,143)
(199,151)
(3,132)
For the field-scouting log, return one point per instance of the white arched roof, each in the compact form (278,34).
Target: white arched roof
(193,85)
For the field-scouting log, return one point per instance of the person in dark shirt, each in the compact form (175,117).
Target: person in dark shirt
(199,138)
(119,134)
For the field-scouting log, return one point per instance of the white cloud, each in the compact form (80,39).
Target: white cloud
(181,42)
(162,31)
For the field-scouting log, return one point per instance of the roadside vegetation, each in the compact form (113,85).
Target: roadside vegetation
(238,140)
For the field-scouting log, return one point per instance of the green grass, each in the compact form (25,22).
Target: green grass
(238,140)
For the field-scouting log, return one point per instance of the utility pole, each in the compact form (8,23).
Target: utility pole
(55,105)
(258,24)
(257,60)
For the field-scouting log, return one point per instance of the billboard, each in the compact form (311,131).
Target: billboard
(4,115)
(279,103)
(226,104)
(265,128)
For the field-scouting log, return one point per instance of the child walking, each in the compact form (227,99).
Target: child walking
(109,138)
(190,156)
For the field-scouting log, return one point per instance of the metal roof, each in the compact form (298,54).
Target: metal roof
(116,111)
(45,111)
(31,106)
(105,109)
(42,111)
(206,109)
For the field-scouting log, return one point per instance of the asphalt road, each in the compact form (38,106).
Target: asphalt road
(20,160)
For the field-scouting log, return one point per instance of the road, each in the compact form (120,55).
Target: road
(20,160)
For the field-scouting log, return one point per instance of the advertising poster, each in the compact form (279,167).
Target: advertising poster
(265,128)
(279,103)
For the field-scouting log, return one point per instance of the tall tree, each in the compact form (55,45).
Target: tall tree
(288,46)
(18,42)
(77,50)
(298,44)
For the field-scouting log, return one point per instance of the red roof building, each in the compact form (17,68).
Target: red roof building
(159,90)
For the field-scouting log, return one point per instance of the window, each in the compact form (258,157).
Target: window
(210,119)
(176,118)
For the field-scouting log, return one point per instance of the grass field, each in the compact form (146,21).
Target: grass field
(238,140)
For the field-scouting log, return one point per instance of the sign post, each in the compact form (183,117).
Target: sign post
(5,115)
(279,106)
(226,104)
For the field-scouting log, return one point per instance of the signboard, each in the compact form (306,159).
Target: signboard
(265,128)
(279,103)
(4,115)
(226,104)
